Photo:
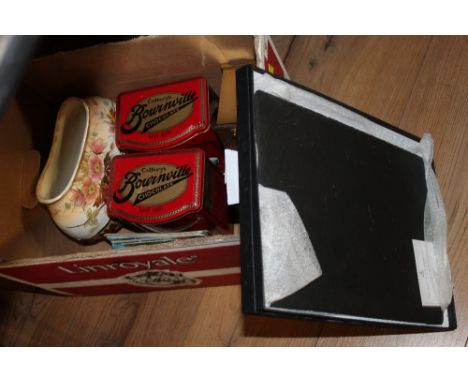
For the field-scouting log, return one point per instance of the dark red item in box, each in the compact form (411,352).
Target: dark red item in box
(167,116)
(169,190)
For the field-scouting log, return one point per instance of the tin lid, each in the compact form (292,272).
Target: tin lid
(332,209)
(162,117)
(156,188)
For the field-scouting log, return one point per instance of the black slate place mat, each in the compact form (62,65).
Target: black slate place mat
(361,201)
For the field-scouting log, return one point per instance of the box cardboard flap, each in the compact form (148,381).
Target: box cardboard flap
(110,69)
(11,197)
(267,58)
(30,172)
(227,109)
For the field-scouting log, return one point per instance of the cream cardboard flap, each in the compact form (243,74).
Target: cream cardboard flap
(30,172)
(19,169)
(227,106)
(265,53)
(227,109)
(110,69)
(10,195)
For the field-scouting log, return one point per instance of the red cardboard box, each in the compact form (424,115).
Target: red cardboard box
(189,264)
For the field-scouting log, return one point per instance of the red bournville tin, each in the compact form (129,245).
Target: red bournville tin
(167,116)
(169,190)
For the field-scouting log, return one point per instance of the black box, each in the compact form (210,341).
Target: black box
(340,199)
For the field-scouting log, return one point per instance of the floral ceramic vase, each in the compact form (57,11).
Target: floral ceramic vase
(74,183)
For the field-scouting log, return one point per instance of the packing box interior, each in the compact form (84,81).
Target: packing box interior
(32,248)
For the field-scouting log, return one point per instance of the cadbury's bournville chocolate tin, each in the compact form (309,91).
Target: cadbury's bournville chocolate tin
(169,190)
(167,116)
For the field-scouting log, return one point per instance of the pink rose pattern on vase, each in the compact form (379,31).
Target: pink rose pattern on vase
(89,190)
(97,146)
(96,167)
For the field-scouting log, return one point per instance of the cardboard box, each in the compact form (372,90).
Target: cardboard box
(32,249)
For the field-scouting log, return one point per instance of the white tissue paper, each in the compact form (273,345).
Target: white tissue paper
(289,260)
